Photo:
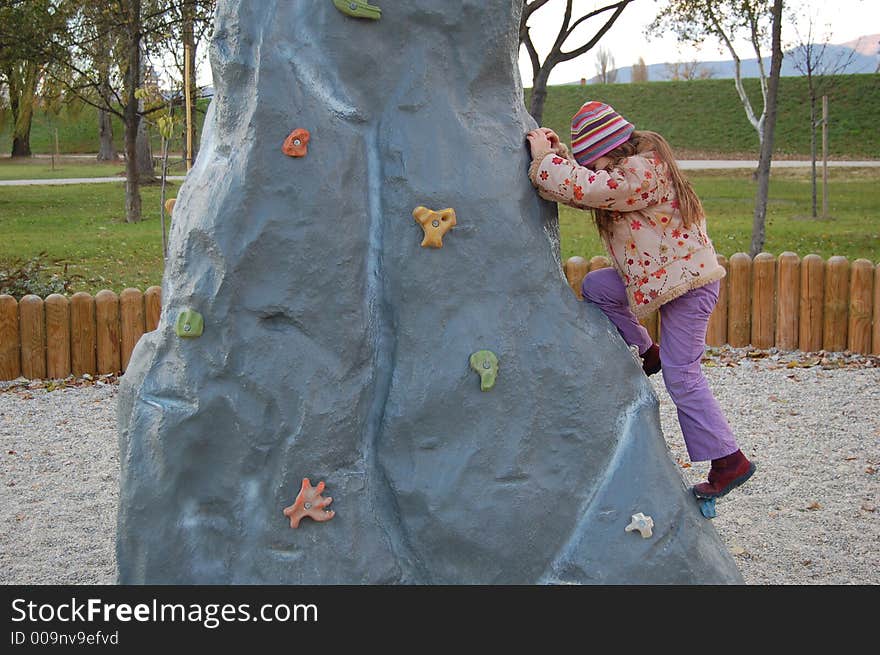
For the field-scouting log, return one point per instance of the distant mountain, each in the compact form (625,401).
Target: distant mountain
(865,45)
(862,54)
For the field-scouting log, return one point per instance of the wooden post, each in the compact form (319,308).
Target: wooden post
(187,91)
(57,336)
(788,295)
(739,310)
(763,300)
(861,290)
(153,307)
(716,332)
(810,315)
(83,336)
(835,322)
(576,268)
(10,341)
(32,329)
(131,318)
(876,338)
(824,156)
(107,332)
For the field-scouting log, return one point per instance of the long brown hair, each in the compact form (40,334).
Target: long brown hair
(689,205)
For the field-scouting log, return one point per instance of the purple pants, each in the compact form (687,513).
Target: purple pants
(683,324)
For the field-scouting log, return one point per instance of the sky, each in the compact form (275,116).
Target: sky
(842,20)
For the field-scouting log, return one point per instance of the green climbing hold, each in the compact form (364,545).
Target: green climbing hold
(485,362)
(358,9)
(189,324)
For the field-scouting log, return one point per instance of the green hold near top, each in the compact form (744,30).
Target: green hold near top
(358,9)
(485,362)
(190,324)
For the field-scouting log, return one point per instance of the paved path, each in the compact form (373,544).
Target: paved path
(699,164)
(691,164)
(77,180)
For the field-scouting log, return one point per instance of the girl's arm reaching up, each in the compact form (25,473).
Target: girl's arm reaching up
(633,184)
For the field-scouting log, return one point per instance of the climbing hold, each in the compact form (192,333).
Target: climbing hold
(485,362)
(642,523)
(296,144)
(309,503)
(707,507)
(189,324)
(434,224)
(358,9)
(169,205)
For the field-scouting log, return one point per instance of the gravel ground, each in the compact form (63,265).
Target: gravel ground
(808,516)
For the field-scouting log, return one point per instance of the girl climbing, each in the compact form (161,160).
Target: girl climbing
(654,229)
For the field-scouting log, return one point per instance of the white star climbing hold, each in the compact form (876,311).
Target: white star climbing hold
(642,523)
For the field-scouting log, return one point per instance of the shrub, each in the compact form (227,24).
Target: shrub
(22,277)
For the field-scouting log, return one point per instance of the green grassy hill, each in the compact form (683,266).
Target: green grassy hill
(706,116)
(700,117)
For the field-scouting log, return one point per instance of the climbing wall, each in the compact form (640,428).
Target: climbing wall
(370,368)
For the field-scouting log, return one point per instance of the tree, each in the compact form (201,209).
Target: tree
(605,71)
(770,104)
(188,23)
(694,21)
(813,62)
(640,71)
(541,70)
(27,34)
(102,56)
(688,70)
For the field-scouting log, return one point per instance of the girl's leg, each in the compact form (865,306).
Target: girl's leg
(683,324)
(604,288)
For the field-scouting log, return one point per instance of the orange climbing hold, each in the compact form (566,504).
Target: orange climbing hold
(309,503)
(296,145)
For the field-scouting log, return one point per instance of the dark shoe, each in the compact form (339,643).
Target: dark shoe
(651,360)
(725,475)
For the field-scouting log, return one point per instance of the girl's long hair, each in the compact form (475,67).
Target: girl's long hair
(689,205)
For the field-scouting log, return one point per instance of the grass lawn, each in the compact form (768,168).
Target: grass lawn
(83,224)
(728,197)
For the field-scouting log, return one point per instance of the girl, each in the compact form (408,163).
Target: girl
(654,229)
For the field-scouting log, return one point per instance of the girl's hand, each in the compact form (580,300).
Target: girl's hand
(539,143)
(552,137)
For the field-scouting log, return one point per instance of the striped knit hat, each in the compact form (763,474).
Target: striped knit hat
(595,130)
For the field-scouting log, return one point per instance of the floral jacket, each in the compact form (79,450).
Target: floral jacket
(657,257)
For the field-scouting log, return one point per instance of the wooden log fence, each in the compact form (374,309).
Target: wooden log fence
(784,302)
(60,336)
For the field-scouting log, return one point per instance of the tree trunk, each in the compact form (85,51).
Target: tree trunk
(22,92)
(769,127)
(130,111)
(107,151)
(539,93)
(145,167)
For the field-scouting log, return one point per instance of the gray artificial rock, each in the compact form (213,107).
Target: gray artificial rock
(336,348)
